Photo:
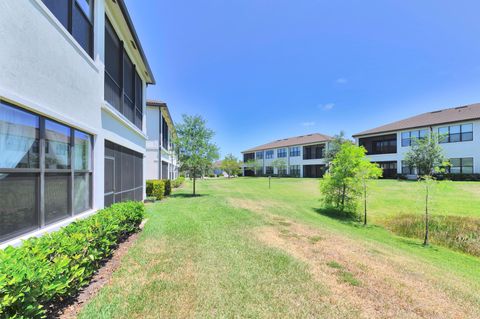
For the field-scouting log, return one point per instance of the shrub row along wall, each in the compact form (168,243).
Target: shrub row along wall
(159,188)
(48,269)
(456,232)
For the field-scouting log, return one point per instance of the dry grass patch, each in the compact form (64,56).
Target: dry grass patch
(375,282)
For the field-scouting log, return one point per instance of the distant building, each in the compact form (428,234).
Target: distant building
(304,156)
(388,144)
(161,160)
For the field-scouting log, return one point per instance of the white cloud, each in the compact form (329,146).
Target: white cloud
(308,124)
(326,107)
(341,81)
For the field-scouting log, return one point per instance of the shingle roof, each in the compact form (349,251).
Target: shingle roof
(291,141)
(456,114)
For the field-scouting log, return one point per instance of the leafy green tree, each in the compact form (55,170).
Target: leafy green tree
(230,165)
(255,165)
(366,172)
(426,156)
(342,185)
(195,147)
(335,145)
(280,164)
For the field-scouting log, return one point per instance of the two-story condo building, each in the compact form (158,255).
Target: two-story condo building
(161,160)
(459,126)
(304,156)
(73,77)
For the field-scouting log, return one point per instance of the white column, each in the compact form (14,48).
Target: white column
(99,31)
(98,187)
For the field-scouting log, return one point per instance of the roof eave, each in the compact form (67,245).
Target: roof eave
(128,19)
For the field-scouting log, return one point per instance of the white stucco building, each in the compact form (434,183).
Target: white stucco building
(73,78)
(388,144)
(161,160)
(304,156)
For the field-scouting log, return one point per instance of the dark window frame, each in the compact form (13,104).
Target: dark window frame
(407,141)
(259,153)
(268,170)
(281,152)
(294,151)
(73,5)
(42,173)
(294,170)
(269,154)
(462,136)
(462,166)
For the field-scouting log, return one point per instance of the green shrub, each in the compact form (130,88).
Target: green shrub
(456,232)
(168,187)
(149,187)
(178,181)
(50,268)
(158,189)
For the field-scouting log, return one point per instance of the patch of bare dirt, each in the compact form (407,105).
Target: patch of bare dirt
(101,278)
(376,282)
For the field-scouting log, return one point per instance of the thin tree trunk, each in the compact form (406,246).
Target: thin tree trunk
(365,203)
(343,196)
(194,179)
(425,242)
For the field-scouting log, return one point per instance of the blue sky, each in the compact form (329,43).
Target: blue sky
(261,70)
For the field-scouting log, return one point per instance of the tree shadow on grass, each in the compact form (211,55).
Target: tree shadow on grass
(342,216)
(188,195)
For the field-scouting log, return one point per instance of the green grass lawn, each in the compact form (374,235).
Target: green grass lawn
(244,250)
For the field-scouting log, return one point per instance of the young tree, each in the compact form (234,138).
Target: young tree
(366,172)
(280,164)
(426,155)
(230,165)
(255,165)
(194,146)
(334,146)
(342,184)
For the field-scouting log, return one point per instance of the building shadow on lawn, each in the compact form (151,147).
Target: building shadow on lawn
(344,217)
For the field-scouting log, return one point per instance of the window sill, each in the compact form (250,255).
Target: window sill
(54,21)
(119,116)
(17,241)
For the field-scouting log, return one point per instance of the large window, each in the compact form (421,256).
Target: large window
(281,152)
(294,151)
(77,17)
(269,154)
(259,155)
(45,171)
(407,169)
(461,166)
(123,174)
(295,170)
(269,170)
(408,137)
(123,85)
(456,133)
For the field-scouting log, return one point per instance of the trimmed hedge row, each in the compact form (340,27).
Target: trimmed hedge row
(159,188)
(155,188)
(48,269)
